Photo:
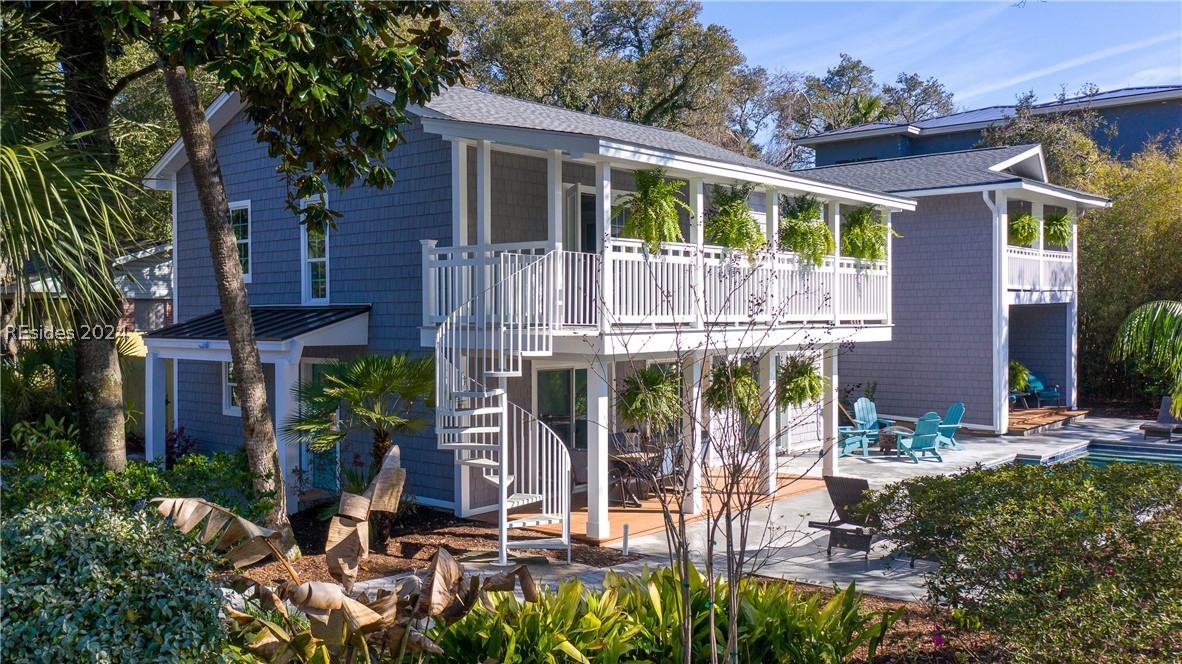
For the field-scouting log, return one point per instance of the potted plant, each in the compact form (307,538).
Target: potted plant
(651,214)
(803,231)
(729,222)
(733,386)
(864,235)
(798,382)
(1019,377)
(650,400)
(1057,229)
(1023,230)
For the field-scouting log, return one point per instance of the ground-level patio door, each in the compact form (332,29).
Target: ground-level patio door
(321,470)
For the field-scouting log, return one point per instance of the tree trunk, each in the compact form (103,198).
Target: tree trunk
(257,426)
(99,382)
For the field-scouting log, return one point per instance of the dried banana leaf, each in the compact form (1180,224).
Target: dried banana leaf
(354,506)
(247,542)
(385,491)
(442,580)
(416,642)
(507,581)
(342,550)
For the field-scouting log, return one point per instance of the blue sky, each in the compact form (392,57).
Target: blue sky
(985,52)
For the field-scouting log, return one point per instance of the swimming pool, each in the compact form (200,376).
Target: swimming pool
(1104,452)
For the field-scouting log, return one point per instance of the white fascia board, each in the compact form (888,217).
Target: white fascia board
(1035,151)
(217,350)
(697,165)
(218,115)
(1085,200)
(528,138)
(143,253)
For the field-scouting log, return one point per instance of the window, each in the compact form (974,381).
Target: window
(230,403)
(150,314)
(562,404)
(314,273)
(240,222)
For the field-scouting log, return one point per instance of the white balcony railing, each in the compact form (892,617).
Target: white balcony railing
(1039,270)
(678,285)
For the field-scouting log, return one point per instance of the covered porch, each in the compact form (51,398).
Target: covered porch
(282,334)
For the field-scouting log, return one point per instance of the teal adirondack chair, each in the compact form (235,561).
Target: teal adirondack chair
(949,426)
(850,440)
(923,441)
(866,418)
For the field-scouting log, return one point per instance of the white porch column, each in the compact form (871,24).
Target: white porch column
(603,231)
(829,411)
(833,215)
(768,466)
(1036,210)
(697,203)
(1001,316)
(459,193)
(1073,315)
(691,433)
(554,199)
(890,262)
(287,376)
(155,379)
(598,430)
(484,192)
(771,215)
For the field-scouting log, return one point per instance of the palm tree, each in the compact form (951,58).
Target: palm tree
(382,394)
(62,214)
(1153,334)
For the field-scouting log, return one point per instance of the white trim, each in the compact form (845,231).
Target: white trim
(1051,192)
(1001,312)
(218,115)
(228,407)
(1035,151)
(175,260)
(306,265)
(352,331)
(244,205)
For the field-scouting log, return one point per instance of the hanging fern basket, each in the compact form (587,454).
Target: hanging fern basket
(798,382)
(1057,229)
(803,231)
(651,214)
(730,223)
(864,235)
(1023,230)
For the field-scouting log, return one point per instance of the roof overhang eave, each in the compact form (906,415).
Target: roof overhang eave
(218,115)
(1050,191)
(819,139)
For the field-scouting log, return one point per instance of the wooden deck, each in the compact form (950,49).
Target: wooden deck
(1031,421)
(648,518)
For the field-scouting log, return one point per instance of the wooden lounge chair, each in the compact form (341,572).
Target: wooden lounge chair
(1166,424)
(1038,389)
(949,426)
(923,441)
(866,418)
(846,531)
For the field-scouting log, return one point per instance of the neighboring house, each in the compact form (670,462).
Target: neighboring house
(1137,115)
(497,249)
(965,300)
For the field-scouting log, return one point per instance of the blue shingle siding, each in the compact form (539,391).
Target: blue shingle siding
(941,346)
(1038,339)
(375,258)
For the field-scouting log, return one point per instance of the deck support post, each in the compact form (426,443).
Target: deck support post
(691,432)
(554,199)
(768,467)
(697,205)
(603,234)
(771,206)
(459,193)
(1036,211)
(1001,312)
(890,261)
(1073,315)
(155,375)
(833,212)
(598,436)
(829,411)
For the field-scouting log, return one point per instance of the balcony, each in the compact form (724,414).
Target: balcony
(1039,270)
(680,286)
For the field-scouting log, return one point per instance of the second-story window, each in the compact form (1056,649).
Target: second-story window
(240,222)
(314,271)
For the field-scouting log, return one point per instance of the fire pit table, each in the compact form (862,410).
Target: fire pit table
(888,438)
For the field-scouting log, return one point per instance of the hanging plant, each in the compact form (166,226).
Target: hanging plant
(803,231)
(1019,376)
(729,222)
(651,214)
(798,382)
(1056,229)
(1023,230)
(650,399)
(863,235)
(733,385)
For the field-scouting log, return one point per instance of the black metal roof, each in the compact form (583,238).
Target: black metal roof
(278,323)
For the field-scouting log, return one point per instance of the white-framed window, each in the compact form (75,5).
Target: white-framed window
(230,403)
(240,222)
(314,255)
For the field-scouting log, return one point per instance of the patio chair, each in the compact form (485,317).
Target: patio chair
(1040,392)
(949,426)
(1166,424)
(866,418)
(850,440)
(923,440)
(846,531)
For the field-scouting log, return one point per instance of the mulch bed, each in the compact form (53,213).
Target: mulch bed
(1136,410)
(414,539)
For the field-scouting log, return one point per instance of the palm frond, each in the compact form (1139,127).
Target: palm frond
(1153,333)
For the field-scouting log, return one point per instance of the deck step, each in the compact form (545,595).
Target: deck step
(467,430)
(495,479)
(519,499)
(478,394)
(466,412)
(544,543)
(475,447)
(480,463)
(536,520)
(502,374)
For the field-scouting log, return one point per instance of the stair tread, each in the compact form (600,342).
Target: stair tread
(495,479)
(481,463)
(536,520)
(518,499)
(502,374)
(461,445)
(478,394)
(473,429)
(543,543)
(464,412)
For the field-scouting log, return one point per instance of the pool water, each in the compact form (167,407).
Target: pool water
(1103,458)
(1102,453)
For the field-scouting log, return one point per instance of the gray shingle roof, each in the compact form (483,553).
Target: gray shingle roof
(934,171)
(468,105)
(270,323)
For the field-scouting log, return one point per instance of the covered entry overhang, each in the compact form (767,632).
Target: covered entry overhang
(281,333)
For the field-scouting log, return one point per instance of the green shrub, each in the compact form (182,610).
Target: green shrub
(729,222)
(1023,230)
(1056,229)
(1071,562)
(863,235)
(1019,376)
(86,582)
(802,230)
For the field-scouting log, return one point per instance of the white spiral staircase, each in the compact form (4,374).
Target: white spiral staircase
(513,314)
